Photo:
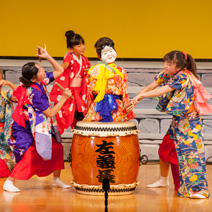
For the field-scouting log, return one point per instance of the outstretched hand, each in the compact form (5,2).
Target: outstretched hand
(42,52)
(4,82)
(129,107)
(133,103)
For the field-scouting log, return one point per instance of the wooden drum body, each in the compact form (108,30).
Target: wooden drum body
(105,150)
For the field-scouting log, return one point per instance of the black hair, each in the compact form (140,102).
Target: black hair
(182,61)
(101,43)
(73,39)
(29,71)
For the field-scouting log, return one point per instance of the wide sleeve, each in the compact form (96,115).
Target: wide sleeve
(124,72)
(49,78)
(69,59)
(64,80)
(160,78)
(39,100)
(125,96)
(90,97)
(183,95)
(178,82)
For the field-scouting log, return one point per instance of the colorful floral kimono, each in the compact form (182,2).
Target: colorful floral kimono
(76,70)
(33,137)
(107,94)
(186,130)
(6,110)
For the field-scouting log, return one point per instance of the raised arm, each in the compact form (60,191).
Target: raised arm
(58,69)
(65,65)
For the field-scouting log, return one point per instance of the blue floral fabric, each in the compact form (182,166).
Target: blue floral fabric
(186,130)
(6,110)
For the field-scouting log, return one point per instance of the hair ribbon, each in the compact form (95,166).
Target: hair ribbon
(184,55)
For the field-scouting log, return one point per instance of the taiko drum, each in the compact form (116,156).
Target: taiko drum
(105,150)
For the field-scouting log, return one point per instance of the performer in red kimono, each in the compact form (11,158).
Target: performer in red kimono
(74,78)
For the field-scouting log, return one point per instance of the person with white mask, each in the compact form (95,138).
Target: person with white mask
(107,87)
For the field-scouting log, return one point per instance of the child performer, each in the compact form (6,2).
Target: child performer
(74,78)
(107,87)
(184,97)
(6,110)
(34,138)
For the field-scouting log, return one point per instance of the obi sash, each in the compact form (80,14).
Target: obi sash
(200,95)
(106,106)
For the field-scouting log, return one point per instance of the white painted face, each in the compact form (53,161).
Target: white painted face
(108,54)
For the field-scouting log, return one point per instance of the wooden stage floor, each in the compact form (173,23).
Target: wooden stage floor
(38,195)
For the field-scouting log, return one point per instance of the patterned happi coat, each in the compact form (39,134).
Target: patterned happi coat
(65,117)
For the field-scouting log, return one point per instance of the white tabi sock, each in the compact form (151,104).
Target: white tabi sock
(162,182)
(8,186)
(58,183)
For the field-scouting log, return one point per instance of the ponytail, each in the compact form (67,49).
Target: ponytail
(191,65)
(25,81)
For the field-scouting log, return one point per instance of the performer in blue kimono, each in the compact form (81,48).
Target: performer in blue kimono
(34,136)
(6,110)
(184,97)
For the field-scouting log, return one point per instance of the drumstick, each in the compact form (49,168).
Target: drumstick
(61,87)
(130,104)
(39,52)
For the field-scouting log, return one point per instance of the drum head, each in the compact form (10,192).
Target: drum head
(105,129)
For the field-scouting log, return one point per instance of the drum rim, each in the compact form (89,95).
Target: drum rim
(103,124)
(99,128)
(105,129)
(114,189)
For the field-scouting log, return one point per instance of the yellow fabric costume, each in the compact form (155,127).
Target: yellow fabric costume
(102,72)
